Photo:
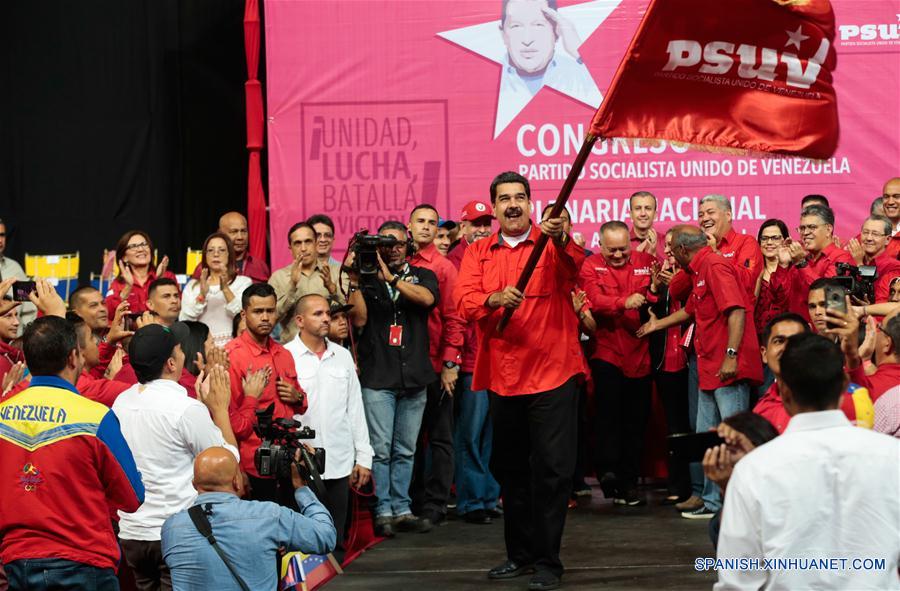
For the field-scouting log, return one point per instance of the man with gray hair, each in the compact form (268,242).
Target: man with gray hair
(812,257)
(728,360)
(869,250)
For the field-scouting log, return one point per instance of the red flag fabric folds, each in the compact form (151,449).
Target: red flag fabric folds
(747,75)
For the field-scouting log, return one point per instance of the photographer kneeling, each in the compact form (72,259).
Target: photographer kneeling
(248,534)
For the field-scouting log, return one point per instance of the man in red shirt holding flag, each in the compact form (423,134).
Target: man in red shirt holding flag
(531,371)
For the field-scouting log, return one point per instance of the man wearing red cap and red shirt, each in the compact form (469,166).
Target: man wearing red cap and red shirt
(728,359)
(617,282)
(474,223)
(431,490)
(531,372)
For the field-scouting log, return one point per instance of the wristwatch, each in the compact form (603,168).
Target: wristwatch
(731,352)
(393,282)
(451,365)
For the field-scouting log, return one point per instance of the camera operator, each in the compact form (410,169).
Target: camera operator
(391,310)
(869,251)
(249,534)
(328,376)
(262,373)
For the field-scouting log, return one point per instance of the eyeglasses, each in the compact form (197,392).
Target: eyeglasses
(771,238)
(872,234)
(137,246)
(216,250)
(808,228)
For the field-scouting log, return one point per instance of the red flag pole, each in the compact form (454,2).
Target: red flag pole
(558,206)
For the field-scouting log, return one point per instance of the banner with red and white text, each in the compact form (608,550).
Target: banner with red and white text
(375,106)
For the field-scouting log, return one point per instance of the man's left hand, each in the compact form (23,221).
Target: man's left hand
(360,476)
(385,273)
(448,379)
(288,393)
(553,227)
(728,370)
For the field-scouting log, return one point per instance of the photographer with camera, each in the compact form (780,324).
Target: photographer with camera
(249,535)
(262,373)
(391,302)
(335,410)
(870,251)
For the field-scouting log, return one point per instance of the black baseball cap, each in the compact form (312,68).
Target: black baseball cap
(336,307)
(149,349)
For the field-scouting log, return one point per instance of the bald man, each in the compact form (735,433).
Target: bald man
(249,533)
(234,225)
(890,202)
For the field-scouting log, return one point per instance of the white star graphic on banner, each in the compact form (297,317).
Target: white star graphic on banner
(564,72)
(795,38)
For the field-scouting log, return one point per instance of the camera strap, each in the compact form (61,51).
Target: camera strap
(198,516)
(317,485)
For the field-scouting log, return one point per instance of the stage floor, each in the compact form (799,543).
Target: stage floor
(604,547)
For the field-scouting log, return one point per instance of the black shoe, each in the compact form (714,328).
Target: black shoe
(543,580)
(409,523)
(609,484)
(495,513)
(509,570)
(383,527)
(631,499)
(433,517)
(478,517)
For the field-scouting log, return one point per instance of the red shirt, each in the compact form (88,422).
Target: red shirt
(887,269)
(138,296)
(893,247)
(771,407)
(127,376)
(675,356)
(743,251)
(254,268)
(470,341)
(99,389)
(717,289)
(796,281)
(539,349)
(446,329)
(457,253)
(886,377)
(772,301)
(607,288)
(637,240)
(9,356)
(246,355)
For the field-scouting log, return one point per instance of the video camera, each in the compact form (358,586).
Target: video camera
(280,441)
(365,246)
(858,281)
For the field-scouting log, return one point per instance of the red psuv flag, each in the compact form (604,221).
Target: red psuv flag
(748,75)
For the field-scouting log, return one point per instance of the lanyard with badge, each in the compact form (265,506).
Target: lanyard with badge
(395,333)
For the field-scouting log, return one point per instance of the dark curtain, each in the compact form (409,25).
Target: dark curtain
(118,115)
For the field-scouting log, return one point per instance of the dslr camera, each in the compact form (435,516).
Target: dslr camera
(281,438)
(858,281)
(365,248)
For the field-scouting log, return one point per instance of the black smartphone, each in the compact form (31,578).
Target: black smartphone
(690,447)
(21,289)
(835,299)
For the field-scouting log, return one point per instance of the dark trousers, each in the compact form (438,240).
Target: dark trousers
(275,490)
(56,574)
(430,487)
(623,408)
(533,459)
(146,562)
(581,456)
(337,500)
(672,390)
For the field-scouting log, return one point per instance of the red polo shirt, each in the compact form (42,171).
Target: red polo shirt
(100,389)
(539,349)
(607,288)
(718,288)
(636,241)
(886,377)
(796,281)
(470,341)
(446,328)
(893,247)
(456,255)
(887,269)
(245,355)
(855,404)
(739,249)
(138,296)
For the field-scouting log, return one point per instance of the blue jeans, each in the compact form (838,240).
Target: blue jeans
(715,405)
(56,574)
(394,419)
(475,485)
(695,468)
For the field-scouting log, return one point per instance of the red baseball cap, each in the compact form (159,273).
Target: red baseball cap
(474,210)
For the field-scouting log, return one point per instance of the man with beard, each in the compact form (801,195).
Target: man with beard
(164,301)
(391,308)
(262,373)
(870,250)
(531,371)
(474,224)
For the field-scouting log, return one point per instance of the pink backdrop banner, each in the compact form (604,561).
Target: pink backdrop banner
(375,106)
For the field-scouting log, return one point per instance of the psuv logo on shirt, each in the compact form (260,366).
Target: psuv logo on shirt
(638,271)
(601,269)
(701,283)
(728,255)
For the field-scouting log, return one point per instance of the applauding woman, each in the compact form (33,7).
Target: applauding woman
(134,257)
(215,298)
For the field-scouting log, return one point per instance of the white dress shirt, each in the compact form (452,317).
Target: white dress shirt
(214,311)
(165,430)
(823,490)
(335,408)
